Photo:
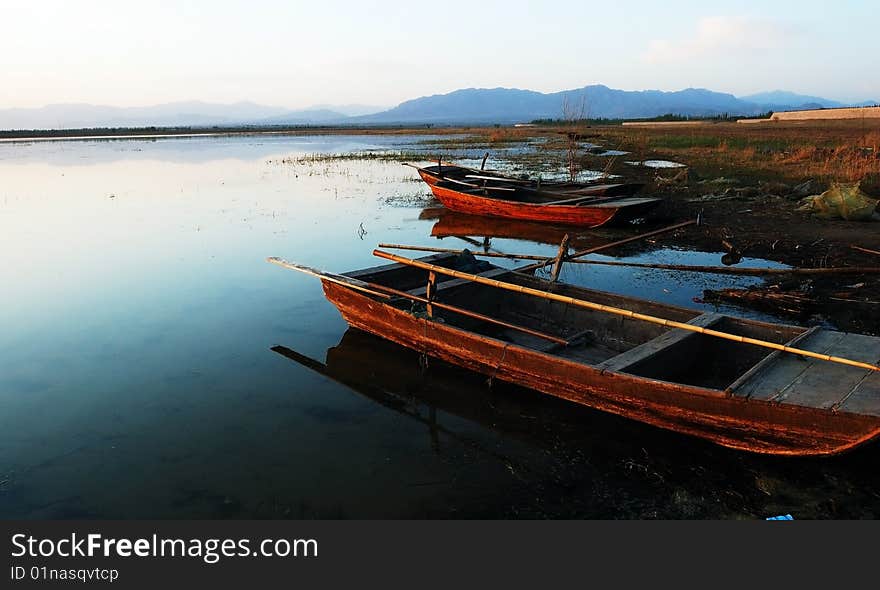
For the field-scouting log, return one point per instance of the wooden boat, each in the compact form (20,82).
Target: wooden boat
(675,373)
(474,177)
(588,209)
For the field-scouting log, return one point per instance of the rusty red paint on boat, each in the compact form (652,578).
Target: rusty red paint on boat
(585,215)
(745,424)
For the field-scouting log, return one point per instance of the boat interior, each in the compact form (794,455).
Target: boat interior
(474,176)
(594,337)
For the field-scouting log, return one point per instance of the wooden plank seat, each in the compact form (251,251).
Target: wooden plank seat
(650,348)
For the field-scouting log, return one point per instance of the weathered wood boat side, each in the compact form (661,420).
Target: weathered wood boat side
(731,393)
(516,205)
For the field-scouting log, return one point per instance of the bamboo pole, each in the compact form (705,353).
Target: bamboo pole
(496,172)
(580,253)
(866,250)
(582,198)
(619,311)
(454,251)
(471,185)
(387,292)
(497,178)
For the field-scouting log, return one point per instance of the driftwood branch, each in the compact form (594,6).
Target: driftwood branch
(733,270)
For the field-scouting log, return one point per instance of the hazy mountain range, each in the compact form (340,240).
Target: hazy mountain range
(190,113)
(471,105)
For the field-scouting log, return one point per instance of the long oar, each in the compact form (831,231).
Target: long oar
(618,311)
(328,276)
(387,292)
(471,185)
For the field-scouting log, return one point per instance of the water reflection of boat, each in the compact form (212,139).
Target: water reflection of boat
(580,463)
(703,374)
(395,377)
(451,223)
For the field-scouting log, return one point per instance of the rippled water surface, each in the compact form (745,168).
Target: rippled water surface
(138,377)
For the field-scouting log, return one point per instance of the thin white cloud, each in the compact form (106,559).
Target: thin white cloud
(718,35)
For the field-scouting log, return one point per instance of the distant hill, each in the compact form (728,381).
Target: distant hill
(466,106)
(305,117)
(77,115)
(191,113)
(790,99)
(350,110)
(506,105)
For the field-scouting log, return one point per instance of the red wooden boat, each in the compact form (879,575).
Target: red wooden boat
(590,208)
(679,374)
(453,172)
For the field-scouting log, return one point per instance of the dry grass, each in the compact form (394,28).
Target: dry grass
(508,134)
(827,151)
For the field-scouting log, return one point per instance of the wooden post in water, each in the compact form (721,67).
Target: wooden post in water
(483,164)
(430,292)
(560,258)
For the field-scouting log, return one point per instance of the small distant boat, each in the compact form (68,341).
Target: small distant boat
(745,384)
(588,207)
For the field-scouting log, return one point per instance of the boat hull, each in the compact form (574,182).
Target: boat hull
(584,215)
(744,424)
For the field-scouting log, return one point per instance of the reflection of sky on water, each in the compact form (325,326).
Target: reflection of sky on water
(197,148)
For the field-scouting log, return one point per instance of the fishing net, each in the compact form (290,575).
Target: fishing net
(841,201)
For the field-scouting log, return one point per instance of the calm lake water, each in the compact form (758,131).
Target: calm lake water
(138,378)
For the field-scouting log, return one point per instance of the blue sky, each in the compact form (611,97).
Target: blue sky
(296,54)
